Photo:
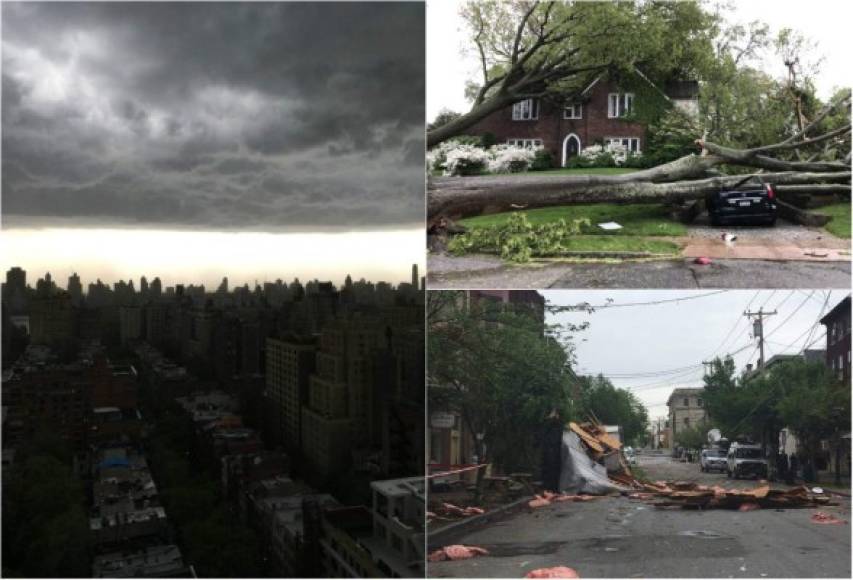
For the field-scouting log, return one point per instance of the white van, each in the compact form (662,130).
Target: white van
(746,460)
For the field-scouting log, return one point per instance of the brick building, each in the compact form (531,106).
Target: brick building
(837,323)
(600,114)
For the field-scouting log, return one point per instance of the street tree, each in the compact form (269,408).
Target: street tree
(694,437)
(815,406)
(502,370)
(613,406)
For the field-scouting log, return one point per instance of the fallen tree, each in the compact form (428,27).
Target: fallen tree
(686,178)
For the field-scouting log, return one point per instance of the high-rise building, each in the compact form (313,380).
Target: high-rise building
(289,364)
(156,289)
(52,320)
(15,290)
(130,324)
(75,289)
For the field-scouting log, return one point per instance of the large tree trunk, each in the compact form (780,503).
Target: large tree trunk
(461,124)
(459,197)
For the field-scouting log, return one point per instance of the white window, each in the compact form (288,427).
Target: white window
(631,144)
(534,143)
(526,110)
(573,112)
(619,104)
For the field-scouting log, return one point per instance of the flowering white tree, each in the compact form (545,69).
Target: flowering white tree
(511,158)
(456,158)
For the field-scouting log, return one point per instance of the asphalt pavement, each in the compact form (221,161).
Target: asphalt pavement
(616,537)
(481,271)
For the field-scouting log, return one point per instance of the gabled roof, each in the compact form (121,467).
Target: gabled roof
(676,89)
(836,310)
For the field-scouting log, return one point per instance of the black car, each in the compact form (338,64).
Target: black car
(745,203)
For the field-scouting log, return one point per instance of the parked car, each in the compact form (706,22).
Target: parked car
(746,460)
(750,201)
(630,456)
(712,460)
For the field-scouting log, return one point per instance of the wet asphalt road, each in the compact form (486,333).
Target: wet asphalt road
(479,271)
(617,537)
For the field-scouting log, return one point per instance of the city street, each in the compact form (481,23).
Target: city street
(481,271)
(620,537)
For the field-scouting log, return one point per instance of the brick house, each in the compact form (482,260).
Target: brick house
(837,323)
(599,114)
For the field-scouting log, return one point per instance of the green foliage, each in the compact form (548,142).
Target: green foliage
(636,219)
(211,537)
(517,240)
(443,117)
(692,437)
(45,526)
(542,161)
(501,369)
(669,137)
(795,393)
(614,406)
(488,140)
(814,404)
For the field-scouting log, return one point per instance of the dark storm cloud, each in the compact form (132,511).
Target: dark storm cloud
(230,115)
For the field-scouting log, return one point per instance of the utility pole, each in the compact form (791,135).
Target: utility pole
(758,330)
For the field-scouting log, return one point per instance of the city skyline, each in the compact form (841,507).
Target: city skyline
(354,277)
(206,257)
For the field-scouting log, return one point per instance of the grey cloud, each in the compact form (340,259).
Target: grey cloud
(229,115)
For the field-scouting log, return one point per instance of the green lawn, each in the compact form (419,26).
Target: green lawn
(840,214)
(635,219)
(619,244)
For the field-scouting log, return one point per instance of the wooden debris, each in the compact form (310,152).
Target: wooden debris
(692,495)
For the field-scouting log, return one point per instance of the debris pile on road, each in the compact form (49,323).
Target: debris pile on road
(688,494)
(555,572)
(456,552)
(592,460)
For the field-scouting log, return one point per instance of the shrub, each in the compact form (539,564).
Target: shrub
(488,140)
(465,160)
(542,160)
(510,158)
(455,157)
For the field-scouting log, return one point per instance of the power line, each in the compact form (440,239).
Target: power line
(738,320)
(797,309)
(656,302)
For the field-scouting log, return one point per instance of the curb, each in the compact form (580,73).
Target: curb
(451,532)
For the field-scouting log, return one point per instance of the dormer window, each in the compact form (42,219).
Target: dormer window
(619,104)
(526,110)
(573,111)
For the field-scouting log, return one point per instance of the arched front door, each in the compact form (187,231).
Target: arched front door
(571,147)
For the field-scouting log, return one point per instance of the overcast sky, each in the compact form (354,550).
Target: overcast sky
(215,117)
(646,339)
(825,21)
